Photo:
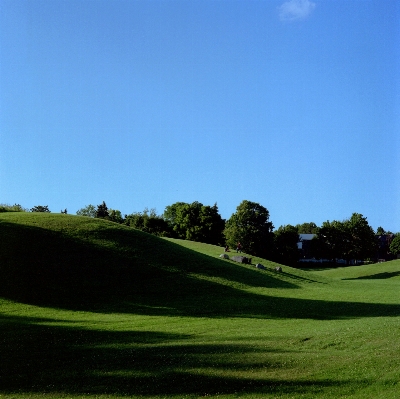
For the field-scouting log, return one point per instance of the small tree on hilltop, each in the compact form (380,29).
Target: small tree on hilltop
(114,215)
(102,211)
(40,208)
(88,210)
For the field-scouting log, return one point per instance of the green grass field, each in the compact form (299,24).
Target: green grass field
(92,309)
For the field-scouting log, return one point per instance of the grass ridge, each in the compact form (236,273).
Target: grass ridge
(89,308)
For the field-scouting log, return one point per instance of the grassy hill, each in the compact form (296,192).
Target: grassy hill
(90,308)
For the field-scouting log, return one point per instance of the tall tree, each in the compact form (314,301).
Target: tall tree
(102,211)
(212,225)
(250,226)
(286,249)
(362,237)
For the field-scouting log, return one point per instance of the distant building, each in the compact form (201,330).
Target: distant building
(304,245)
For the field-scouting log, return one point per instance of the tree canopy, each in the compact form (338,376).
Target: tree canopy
(307,228)
(88,210)
(149,222)
(195,222)
(350,239)
(250,226)
(395,245)
(286,250)
(102,211)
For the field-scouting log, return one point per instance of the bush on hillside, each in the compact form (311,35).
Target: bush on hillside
(12,208)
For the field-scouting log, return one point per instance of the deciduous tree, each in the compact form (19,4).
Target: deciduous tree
(286,249)
(88,210)
(250,226)
(307,228)
(362,237)
(149,222)
(114,215)
(395,245)
(351,239)
(195,222)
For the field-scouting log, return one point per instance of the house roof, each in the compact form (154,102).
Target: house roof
(306,237)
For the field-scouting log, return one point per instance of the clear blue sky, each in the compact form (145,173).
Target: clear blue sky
(291,104)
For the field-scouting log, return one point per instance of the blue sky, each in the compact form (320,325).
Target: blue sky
(291,104)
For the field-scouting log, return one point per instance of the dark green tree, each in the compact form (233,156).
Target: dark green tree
(212,225)
(250,226)
(149,222)
(286,249)
(114,215)
(88,210)
(307,228)
(332,241)
(380,231)
(352,239)
(102,211)
(171,211)
(40,208)
(362,238)
(195,222)
(395,245)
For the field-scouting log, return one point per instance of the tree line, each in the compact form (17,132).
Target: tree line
(250,225)
(350,239)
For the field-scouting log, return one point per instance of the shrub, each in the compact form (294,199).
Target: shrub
(12,208)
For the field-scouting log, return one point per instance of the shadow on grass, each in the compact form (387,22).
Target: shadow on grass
(39,358)
(115,269)
(377,276)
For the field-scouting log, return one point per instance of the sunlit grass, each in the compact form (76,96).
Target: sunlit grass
(192,326)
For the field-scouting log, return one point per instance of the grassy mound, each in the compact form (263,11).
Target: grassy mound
(82,263)
(93,309)
(78,262)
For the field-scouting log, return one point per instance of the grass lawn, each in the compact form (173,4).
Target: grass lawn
(89,308)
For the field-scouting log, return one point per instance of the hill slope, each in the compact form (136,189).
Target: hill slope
(82,263)
(79,262)
(93,309)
